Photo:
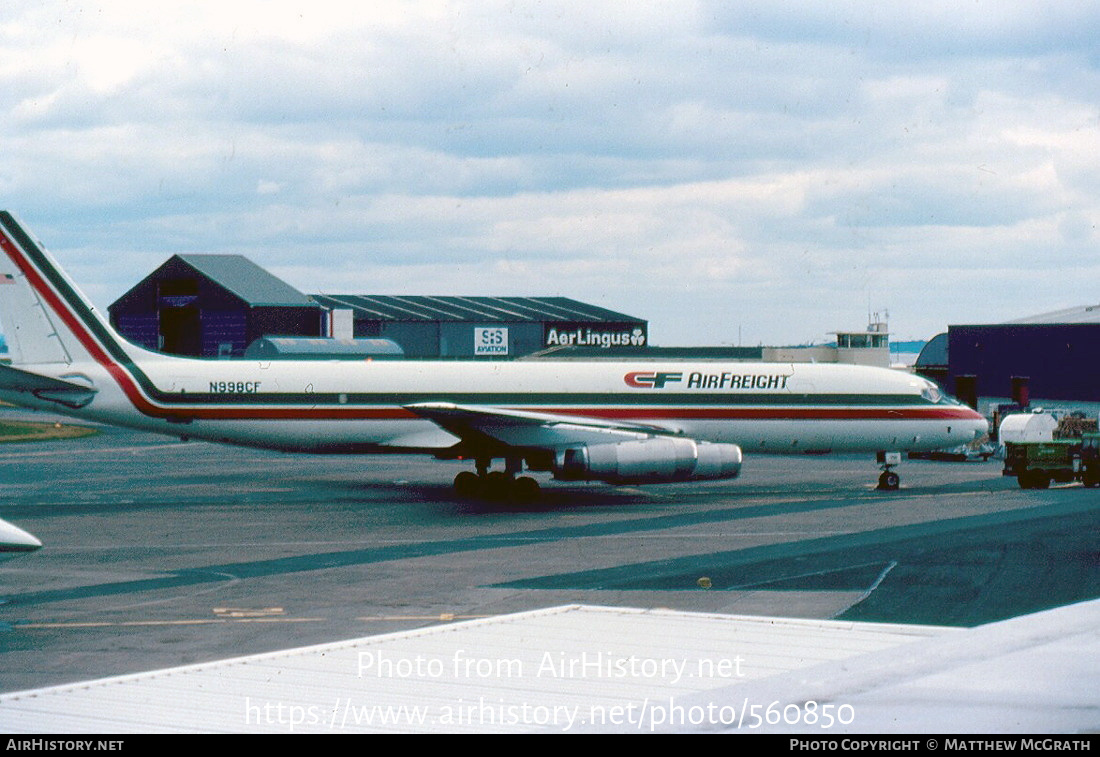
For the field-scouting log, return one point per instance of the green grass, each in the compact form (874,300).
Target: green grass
(26,431)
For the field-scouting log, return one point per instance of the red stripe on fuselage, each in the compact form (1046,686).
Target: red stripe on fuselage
(603,413)
(791,412)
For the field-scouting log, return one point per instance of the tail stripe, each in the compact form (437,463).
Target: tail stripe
(62,300)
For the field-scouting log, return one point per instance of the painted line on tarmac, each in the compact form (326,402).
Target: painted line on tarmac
(876,544)
(104,452)
(443,616)
(395,552)
(224,619)
(144,623)
(1037,557)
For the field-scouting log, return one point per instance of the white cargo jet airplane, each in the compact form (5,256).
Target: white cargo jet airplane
(634,421)
(14,541)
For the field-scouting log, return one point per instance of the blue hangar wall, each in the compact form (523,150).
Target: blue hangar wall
(1060,361)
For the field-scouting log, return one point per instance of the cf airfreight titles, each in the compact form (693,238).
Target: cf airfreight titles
(736,381)
(697,380)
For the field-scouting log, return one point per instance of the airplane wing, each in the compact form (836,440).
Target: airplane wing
(580,448)
(68,393)
(497,427)
(14,541)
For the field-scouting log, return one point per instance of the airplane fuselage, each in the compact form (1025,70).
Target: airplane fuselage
(360,405)
(618,422)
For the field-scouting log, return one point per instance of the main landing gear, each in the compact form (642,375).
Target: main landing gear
(888,480)
(497,486)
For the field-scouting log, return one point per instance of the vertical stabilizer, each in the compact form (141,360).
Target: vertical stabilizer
(27,327)
(43,317)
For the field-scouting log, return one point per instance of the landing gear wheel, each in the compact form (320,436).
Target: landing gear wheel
(525,490)
(467,485)
(888,481)
(496,486)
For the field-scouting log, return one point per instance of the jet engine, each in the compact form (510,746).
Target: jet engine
(654,461)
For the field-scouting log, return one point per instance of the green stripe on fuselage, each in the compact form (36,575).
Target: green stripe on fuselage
(563,399)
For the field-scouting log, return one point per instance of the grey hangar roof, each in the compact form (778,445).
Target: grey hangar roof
(245,279)
(257,287)
(1079,314)
(466,309)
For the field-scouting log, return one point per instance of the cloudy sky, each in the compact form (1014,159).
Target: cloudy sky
(730,171)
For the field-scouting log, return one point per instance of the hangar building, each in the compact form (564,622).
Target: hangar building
(212,306)
(217,305)
(1049,357)
(486,326)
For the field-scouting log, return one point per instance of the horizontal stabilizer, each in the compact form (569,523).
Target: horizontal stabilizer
(59,390)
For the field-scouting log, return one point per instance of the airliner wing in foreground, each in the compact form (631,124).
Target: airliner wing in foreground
(632,421)
(15,542)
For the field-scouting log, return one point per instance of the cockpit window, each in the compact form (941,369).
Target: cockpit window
(932,394)
(935,394)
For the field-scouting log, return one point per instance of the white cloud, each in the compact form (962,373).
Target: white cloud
(778,167)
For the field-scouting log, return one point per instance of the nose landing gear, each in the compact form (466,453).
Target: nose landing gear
(888,480)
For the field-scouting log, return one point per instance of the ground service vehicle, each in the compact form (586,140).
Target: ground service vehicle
(1036,464)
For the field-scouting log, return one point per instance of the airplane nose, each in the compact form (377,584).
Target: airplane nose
(15,541)
(980,424)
